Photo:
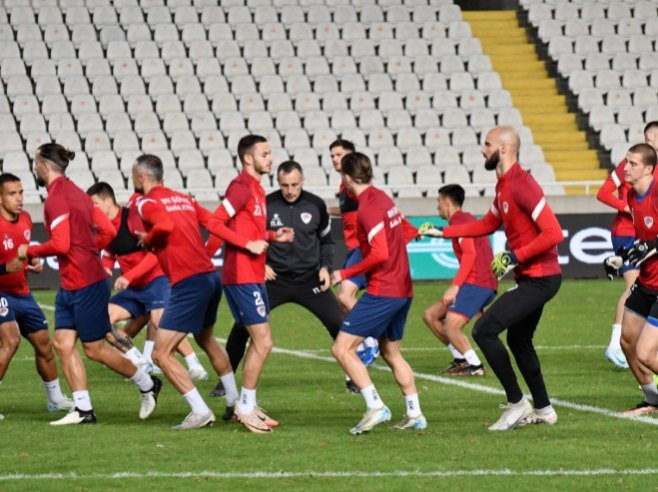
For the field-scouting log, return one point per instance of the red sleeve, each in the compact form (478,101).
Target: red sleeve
(486,225)
(105,230)
(155,214)
(218,227)
(213,244)
(378,254)
(60,239)
(409,230)
(607,195)
(467,261)
(148,263)
(550,235)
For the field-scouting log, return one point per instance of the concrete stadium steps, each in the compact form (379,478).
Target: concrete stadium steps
(535,94)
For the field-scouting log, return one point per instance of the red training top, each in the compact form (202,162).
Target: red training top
(532,229)
(13,235)
(172,221)
(243,218)
(383,233)
(474,256)
(644,210)
(614,193)
(78,231)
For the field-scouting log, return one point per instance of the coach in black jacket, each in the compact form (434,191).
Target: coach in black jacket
(296,272)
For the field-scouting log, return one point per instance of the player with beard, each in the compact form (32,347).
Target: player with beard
(78,230)
(243,219)
(19,312)
(533,234)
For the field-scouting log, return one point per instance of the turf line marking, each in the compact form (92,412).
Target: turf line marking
(439,347)
(46,307)
(482,388)
(327,474)
(462,384)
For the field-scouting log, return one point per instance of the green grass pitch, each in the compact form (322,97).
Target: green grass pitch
(590,448)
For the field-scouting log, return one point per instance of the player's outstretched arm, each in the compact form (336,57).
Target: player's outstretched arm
(482,227)
(59,243)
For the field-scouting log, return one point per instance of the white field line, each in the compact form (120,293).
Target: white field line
(471,386)
(328,474)
(438,347)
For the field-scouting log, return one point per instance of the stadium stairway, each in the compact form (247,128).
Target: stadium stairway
(536,96)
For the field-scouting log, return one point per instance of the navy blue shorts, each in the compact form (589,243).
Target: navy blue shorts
(471,299)
(84,310)
(352,258)
(24,310)
(193,303)
(619,242)
(248,303)
(377,316)
(140,300)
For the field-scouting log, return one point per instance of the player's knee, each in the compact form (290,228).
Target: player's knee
(94,350)
(10,344)
(646,357)
(428,317)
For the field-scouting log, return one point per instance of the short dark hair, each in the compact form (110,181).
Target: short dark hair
(647,152)
(454,192)
(8,178)
(57,154)
(103,190)
(289,166)
(358,167)
(341,142)
(650,126)
(247,142)
(152,165)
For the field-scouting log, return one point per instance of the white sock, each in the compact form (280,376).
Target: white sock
(247,401)
(615,337)
(650,392)
(142,380)
(148,350)
(232,395)
(196,402)
(53,391)
(472,358)
(347,378)
(413,405)
(372,397)
(455,353)
(82,400)
(135,356)
(544,411)
(192,361)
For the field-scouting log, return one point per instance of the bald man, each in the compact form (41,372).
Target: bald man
(533,234)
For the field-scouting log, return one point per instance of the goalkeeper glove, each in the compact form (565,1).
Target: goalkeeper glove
(503,263)
(640,251)
(429,229)
(612,264)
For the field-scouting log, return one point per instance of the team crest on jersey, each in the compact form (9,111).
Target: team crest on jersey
(261,311)
(276,221)
(27,234)
(505,207)
(306,217)
(648,221)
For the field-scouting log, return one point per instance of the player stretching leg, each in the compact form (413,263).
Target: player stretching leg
(19,312)
(81,302)
(368,350)
(382,311)
(172,220)
(639,337)
(473,288)
(243,219)
(533,234)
